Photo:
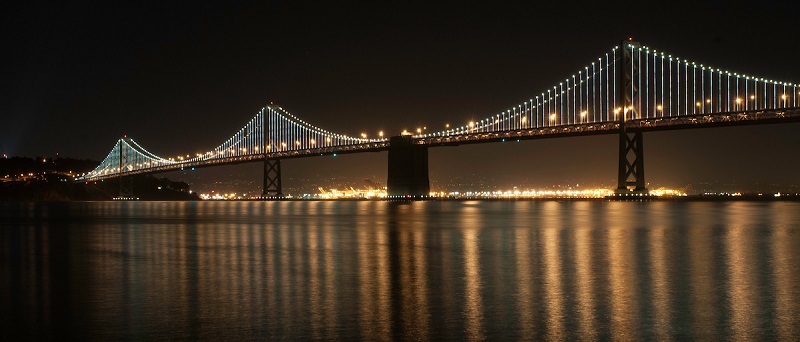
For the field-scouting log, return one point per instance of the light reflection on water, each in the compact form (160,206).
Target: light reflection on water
(379,270)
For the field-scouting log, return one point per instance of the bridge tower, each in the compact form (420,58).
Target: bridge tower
(631,150)
(408,169)
(125,182)
(272,167)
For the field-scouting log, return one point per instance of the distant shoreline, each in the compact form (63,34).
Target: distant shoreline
(690,198)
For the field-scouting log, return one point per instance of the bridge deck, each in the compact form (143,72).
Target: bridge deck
(613,127)
(314,152)
(598,128)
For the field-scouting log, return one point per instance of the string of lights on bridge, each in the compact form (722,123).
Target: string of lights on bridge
(668,87)
(283,132)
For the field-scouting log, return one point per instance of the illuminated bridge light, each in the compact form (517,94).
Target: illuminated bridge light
(588,101)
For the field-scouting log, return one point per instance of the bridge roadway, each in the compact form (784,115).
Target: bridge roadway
(754,117)
(613,127)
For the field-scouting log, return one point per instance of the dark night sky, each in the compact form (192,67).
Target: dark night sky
(180,77)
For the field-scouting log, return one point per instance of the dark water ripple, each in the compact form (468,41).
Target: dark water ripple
(571,270)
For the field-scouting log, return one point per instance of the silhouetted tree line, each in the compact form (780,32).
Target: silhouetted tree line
(145,187)
(25,165)
(44,179)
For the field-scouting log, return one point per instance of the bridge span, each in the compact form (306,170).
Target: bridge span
(628,91)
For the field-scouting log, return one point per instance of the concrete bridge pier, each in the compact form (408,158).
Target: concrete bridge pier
(408,169)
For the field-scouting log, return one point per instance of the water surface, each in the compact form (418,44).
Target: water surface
(561,270)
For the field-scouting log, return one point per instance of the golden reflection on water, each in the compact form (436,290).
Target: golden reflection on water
(622,277)
(421,304)
(741,287)
(329,276)
(450,269)
(585,278)
(285,273)
(270,266)
(406,274)
(525,300)
(422,271)
(784,262)
(703,278)
(368,295)
(554,296)
(381,262)
(473,300)
(660,270)
(316,299)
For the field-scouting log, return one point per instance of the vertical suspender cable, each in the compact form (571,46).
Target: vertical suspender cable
(608,89)
(647,84)
(614,66)
(594,73)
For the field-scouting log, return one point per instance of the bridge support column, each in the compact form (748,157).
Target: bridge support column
(125,187)
(408,169)
(125,182)
(631,164)
(272,179)
(631,151)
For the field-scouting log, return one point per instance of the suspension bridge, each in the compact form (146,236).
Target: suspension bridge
(627,91)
